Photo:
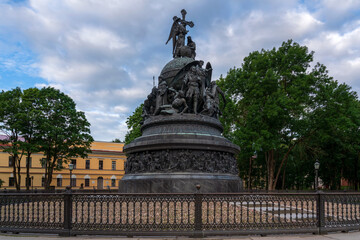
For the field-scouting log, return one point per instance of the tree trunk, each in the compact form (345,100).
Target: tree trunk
(46,172)
(14,172)
(284,174)
(270,169)
(18,174)
(28,171)
(49,173)
(49,179)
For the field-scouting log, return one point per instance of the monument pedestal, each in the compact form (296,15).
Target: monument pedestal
(179,183)
(175,153)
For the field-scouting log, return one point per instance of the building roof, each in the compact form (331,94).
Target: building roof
(96,146)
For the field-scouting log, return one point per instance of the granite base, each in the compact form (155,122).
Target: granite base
(179,183)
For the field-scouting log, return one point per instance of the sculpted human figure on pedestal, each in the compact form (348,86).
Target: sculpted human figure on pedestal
(179,103)
(212,102)
(163,96)
(205,76)
(150,104)
(180,42)
(193,83)
(192,46)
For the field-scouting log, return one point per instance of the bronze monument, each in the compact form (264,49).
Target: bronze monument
(181,144)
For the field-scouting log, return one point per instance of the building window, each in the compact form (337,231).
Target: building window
(113,165)
(73,182)
(11,161)
(113,182)
(87,164)
(59,182)
(11,182)
(87,182)
(73,161)
(29,159)
(43,162)
(43,181)
(101,163)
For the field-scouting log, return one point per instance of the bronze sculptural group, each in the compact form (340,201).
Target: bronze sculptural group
(197,93)
(181,143)
(181,160)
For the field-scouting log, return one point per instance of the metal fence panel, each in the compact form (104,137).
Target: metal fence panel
(179,214)
(32,211)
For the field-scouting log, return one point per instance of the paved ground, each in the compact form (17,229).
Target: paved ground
(331,236)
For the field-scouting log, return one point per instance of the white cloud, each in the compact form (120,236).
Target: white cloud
(234,39)
(300,23)
(334,12)
(121,109)
(108,126)
(339,51)
(104,54)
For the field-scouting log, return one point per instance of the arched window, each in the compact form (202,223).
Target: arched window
(87,180)
(100,183)
(59,180)
(113,181)
(73,180)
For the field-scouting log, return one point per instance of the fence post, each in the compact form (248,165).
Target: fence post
(198,213)
(67,212)
(320,212)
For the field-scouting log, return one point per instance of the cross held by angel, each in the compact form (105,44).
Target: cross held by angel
(177,34)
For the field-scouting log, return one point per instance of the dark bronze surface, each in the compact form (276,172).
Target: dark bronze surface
(181,160)
(181,132)
(188,147)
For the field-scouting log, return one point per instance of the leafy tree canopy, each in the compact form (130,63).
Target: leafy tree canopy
(277,101)
(44,120)
(64,131)
(133,123)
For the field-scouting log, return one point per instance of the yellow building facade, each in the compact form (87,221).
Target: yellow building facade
(102,169)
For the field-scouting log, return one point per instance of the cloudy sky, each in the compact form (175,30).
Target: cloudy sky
(104,53)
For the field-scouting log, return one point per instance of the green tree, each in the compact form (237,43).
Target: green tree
(10,113)
(63,132)
(30,113)
(116,140)
(273,105)
(1,182)
(133,123)
(338,135)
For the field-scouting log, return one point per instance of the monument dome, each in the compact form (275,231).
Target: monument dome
(174,71)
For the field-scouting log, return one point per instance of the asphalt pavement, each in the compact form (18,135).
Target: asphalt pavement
(331,236)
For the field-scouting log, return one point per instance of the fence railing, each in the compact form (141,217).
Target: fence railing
(179,214)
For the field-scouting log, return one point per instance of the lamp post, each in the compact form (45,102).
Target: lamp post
(71,167)
(32,183)
(317,166)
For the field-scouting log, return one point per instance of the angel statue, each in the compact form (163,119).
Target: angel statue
(178,32)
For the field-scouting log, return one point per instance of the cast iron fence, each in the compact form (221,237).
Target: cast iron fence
(179,214)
